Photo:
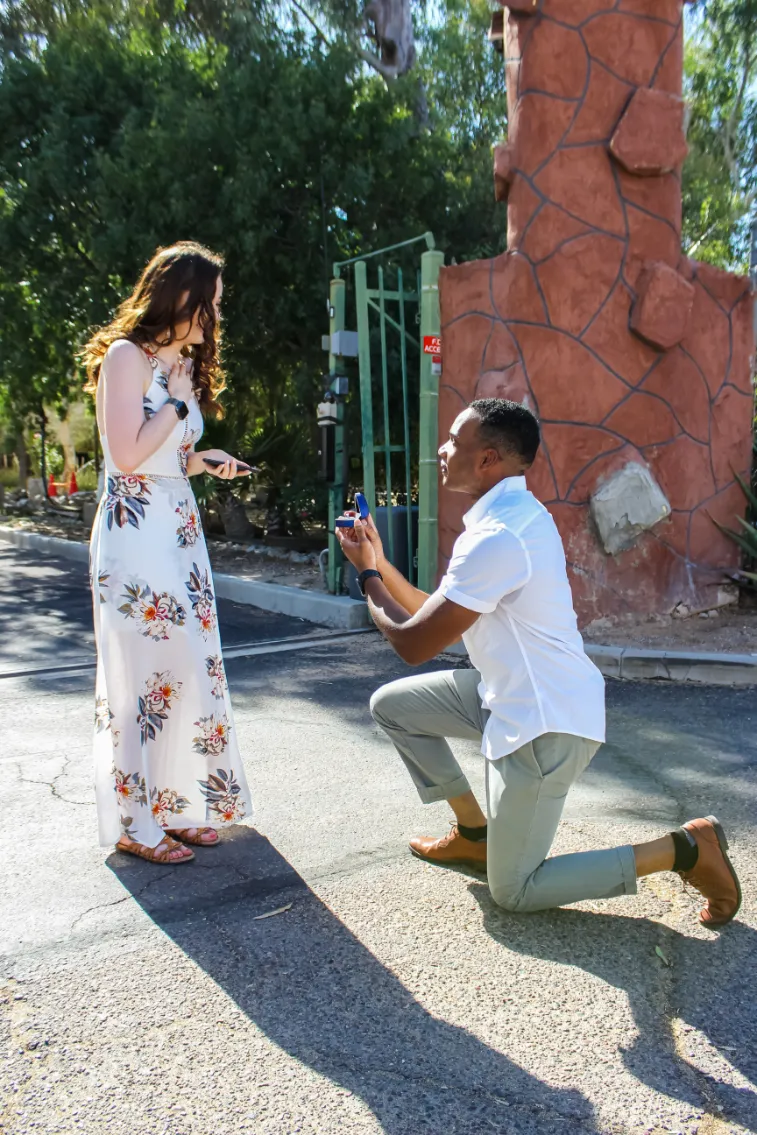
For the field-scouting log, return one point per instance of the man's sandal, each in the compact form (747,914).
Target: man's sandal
(159,854)
(196,839)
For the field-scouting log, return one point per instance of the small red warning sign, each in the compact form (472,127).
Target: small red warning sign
(432,345)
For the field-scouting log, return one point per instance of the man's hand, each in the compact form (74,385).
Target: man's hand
(358,547)
(372,533)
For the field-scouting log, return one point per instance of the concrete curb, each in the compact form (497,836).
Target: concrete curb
(327,610)
(53,545)
(341,612)
(631,662)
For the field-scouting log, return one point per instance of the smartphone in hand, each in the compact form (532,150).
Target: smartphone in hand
(214,463)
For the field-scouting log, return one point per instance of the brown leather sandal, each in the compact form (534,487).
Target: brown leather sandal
(197,840)
(153,855)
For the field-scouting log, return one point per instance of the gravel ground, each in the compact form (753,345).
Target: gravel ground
(731,630)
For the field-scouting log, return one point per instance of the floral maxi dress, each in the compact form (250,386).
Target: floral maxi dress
(165,748)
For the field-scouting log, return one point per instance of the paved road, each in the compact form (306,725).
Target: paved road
(381,995)
(46,615)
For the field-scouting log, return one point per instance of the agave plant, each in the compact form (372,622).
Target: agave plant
(746,535)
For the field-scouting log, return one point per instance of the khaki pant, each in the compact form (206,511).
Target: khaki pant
(525,791)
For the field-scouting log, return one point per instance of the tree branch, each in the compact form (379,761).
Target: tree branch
(312,22)
(697,243)
(733,117)
(388,73)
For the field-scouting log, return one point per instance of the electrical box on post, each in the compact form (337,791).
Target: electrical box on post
(344,344)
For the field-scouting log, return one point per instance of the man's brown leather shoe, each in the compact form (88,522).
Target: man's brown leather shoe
(713,874)
(451,850)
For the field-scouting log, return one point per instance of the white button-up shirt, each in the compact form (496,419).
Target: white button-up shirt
(509,565)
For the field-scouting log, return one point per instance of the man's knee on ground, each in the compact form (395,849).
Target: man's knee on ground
(509,893)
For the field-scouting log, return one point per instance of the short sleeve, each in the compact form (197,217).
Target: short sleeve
(484,567)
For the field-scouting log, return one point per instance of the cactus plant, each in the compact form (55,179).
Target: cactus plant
(746,535)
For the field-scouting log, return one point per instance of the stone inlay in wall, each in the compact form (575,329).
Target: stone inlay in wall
(649,140)
(660,313)
(627,504)
(629,352)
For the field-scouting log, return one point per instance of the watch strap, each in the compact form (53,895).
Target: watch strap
(369,573)
(180,407)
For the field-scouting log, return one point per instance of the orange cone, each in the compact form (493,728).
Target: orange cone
(51,488)
(73,486)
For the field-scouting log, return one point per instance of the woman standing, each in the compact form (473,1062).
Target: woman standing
(167,767)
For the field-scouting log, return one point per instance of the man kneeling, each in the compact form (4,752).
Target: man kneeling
(534,697)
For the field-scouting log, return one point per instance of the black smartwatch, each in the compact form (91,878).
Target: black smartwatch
(369,573)
(181,408)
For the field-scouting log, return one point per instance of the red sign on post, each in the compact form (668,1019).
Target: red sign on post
(432,345)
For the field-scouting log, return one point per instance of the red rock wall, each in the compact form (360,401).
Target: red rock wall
(591,175)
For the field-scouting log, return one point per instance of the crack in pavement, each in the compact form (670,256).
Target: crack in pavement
(714,1123)
(655,773)
(117,902)
(700,1083)
(48,754)
(52,784)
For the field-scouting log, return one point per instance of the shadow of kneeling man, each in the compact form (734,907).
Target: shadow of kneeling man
(707,987)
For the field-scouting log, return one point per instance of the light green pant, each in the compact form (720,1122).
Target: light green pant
(525,791)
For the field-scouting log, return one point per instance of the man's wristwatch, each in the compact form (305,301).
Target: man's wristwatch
(180,407)
(369,573)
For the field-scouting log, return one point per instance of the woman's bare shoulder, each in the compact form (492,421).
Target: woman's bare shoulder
(124,357)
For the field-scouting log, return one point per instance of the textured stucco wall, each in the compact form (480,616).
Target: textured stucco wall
(627,350)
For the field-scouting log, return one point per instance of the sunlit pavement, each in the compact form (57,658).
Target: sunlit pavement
(308,975)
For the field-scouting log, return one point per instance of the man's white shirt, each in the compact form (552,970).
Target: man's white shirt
(509,566)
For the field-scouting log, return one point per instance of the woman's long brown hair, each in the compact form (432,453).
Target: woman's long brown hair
(178,281)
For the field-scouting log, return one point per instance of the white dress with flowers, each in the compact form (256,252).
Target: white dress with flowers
(165,748)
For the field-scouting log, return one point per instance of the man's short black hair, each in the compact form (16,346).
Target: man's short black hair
(508,427)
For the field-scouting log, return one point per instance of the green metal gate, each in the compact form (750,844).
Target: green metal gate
(397,337)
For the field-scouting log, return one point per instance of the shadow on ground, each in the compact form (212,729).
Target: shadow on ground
(315,990)
(692,747)
(707,986)
(46,614)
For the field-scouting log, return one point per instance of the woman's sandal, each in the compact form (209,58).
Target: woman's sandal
(155,854)
(196,839)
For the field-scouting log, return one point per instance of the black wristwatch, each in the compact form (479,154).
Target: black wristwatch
(369,573)
(181,408)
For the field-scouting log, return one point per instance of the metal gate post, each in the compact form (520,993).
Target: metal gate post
(428,461)
(338,487)
(366,392)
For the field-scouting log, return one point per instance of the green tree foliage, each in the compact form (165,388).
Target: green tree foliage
(121,131)
(718,176)
(127,125)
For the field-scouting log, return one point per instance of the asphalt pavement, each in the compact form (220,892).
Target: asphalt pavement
(308,975)
(46,615)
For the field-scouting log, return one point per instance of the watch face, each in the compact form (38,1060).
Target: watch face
(182,410)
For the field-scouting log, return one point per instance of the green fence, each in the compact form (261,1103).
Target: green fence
(397,317)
